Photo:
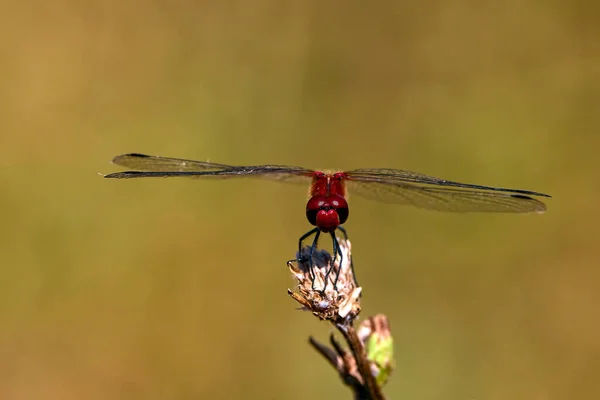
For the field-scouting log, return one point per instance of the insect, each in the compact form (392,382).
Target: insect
(327,207)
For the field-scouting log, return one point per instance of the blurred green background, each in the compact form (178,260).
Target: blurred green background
(176,289)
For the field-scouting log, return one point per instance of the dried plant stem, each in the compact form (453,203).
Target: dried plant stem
(362,361)
(340,306)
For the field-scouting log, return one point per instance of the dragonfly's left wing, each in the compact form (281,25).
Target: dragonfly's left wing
(424,191)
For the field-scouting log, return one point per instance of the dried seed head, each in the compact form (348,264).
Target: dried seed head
(338,304)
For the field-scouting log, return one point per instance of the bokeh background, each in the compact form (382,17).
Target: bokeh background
(176,289)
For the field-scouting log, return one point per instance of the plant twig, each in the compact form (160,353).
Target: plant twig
(362,361)
(340,305)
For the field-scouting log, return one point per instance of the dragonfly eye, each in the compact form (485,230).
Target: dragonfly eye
(340,205)
(311,215)
(314,205)
(343,214)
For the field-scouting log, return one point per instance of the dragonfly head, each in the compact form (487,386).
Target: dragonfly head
(327,212)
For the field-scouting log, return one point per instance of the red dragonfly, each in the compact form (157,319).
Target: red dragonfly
(327,207)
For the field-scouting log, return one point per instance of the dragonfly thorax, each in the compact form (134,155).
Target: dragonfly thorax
(327,212)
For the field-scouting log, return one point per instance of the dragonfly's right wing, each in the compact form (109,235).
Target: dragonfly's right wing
(143,162)
(145,166)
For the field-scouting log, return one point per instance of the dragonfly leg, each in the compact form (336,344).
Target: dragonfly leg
(336,251)
(341,228)
(311,264)
(317,233)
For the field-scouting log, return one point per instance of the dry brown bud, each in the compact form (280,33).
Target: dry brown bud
(339,303)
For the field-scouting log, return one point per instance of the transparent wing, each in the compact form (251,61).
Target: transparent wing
(424,191)
(146,166)
(143,162)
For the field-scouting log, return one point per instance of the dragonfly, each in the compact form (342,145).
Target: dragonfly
(327,207)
